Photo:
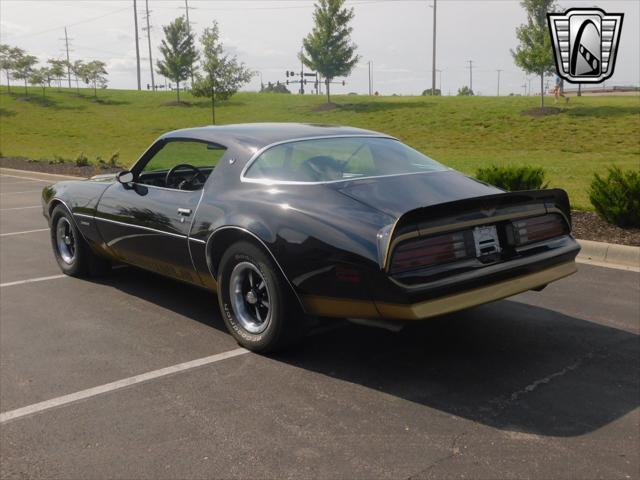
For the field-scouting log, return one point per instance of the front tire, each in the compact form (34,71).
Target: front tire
(256,303)
(72,253)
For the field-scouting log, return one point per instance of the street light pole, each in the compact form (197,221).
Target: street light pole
(433,65)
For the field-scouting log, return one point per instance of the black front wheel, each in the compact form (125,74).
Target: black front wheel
(72,253)
(257,304)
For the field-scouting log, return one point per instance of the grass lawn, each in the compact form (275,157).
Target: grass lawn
(463,132)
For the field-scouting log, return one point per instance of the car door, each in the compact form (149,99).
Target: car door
(147,222)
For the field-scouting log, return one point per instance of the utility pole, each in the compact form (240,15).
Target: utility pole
(498,81)
(440,80)
(66,41)
(153,83)
(529,94)
(470,67)
(135,21)
(186,9)
(370,84)
(433,65)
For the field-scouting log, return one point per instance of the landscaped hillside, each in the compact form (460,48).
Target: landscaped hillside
(462,132)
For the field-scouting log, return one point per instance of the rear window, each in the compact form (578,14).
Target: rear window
(333,159)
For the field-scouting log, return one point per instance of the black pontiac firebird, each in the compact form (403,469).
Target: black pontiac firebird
(291,221)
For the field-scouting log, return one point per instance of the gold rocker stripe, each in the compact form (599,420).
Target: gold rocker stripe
(338,307)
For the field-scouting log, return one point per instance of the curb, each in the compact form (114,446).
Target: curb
(38,175)
(609,255)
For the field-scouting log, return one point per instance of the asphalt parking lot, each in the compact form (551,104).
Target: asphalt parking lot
(543,385)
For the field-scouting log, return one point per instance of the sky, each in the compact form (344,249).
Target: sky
(395,35)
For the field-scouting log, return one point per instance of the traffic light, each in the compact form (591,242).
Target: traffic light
(343,83)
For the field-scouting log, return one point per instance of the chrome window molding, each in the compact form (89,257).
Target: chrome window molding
(266,181)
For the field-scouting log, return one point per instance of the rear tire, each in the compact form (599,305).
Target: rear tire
(256,302)
(73,254)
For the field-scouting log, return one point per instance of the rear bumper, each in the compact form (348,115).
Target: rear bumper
(494,283)
(478,296)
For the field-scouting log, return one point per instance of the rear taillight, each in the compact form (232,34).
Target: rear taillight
(431,251)
(536,229)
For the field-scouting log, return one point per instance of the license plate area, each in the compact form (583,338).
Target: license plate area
(486,240)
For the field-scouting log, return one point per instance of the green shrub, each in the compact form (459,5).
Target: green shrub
(513,178)
(616,198)
(82,160)
(114,160)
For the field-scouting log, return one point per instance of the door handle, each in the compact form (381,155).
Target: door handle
(184,211)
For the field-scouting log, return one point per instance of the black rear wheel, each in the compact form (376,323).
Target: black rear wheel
(257,304)
(72,253)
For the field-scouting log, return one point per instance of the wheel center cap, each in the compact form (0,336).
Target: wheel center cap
(251,297)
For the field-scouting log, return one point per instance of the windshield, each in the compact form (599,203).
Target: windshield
(334,159)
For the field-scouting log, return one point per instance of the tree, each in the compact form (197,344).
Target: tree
(429,92)
(223,73)
(95,74)
(40,77)
(23,68)
(179,52)
(465,92)
(77,68)
(8,57)
(534,54)
(57,69)
(328,49)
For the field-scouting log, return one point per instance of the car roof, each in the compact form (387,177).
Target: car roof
(250,137)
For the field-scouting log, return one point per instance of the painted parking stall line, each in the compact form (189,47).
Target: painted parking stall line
(33,280)
(19,193)
(117,385)
(24,232)
(20,208)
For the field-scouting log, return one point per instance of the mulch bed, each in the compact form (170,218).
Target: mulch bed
(589,226)
(586,225)
(543,112)
(46,166)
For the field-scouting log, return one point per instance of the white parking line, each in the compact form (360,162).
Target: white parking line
(32,280)
(25,178)
(117,385)
(23,191)
(10,234)
(19,208)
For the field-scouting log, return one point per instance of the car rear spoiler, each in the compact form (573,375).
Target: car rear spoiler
(469,212)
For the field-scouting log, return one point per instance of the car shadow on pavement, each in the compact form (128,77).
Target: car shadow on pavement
(507,365)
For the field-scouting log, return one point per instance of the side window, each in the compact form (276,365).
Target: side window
(204,156)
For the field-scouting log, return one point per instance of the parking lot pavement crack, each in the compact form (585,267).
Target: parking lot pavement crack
(454,451)
(498,405)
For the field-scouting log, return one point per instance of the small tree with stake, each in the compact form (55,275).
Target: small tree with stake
(40,77)
(57,69)
(223,74)
(8,57)
(178,51)
(328,49)
(535,54)
(23,69)
(95,74)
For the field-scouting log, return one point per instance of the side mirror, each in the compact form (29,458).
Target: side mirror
(125,177)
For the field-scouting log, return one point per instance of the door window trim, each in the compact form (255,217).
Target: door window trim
(158,145)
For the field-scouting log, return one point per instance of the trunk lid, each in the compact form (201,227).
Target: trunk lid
(397,195)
